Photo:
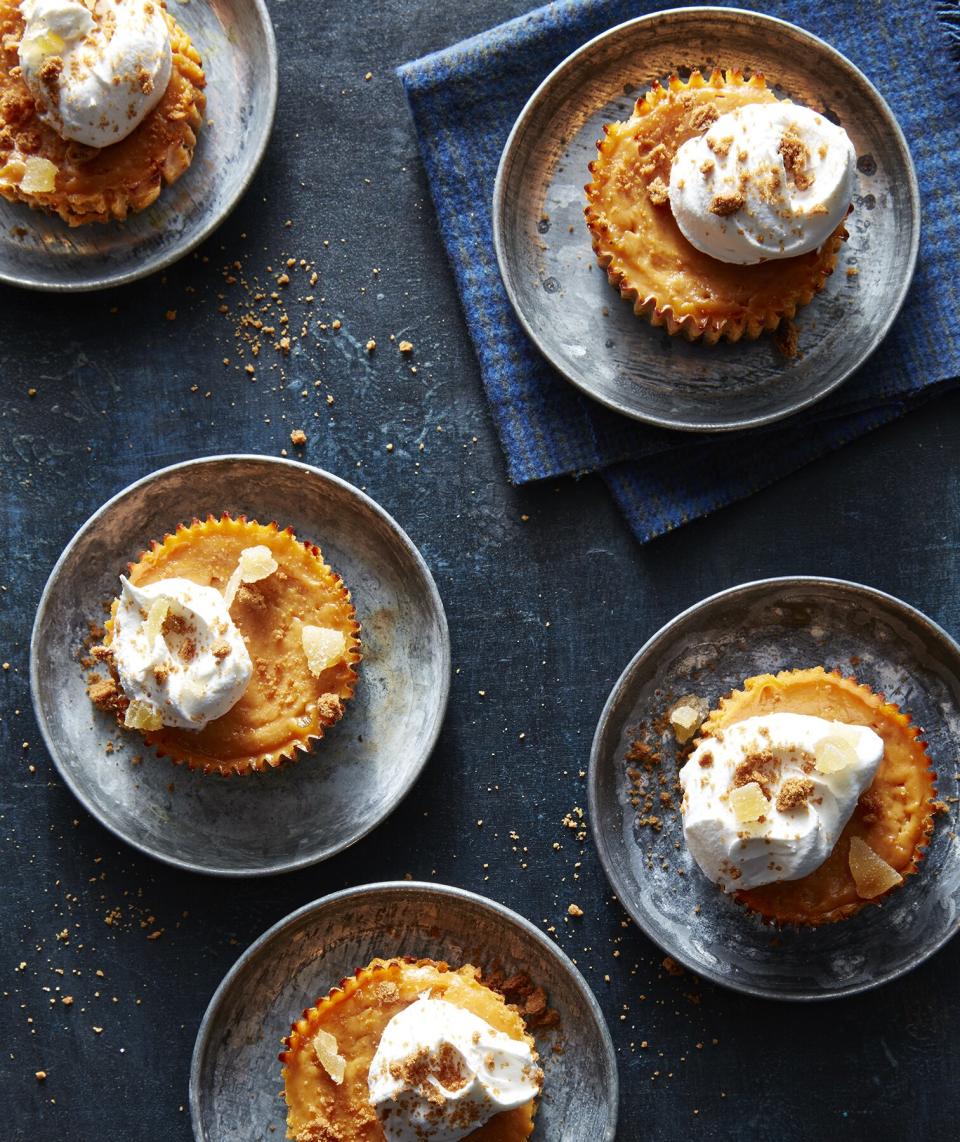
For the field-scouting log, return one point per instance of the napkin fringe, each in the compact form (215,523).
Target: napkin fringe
(949,15)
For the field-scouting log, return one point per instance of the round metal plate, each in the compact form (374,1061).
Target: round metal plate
(235,1074)
(563,298)
(761,627)
(301,813)
(235,41)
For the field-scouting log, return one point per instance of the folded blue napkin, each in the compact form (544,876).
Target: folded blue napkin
(464,101)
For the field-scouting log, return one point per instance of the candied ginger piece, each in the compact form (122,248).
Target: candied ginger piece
(328,1056)
(748,802)
(142,716)
(155,619)
(686,716)
(255,563)
(834,753)
(50,43)
(35,50)
(322,646)
(871,873)
(39,176)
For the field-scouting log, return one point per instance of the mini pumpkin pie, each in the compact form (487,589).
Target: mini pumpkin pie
(231,647)
(77,146)
(716,208)
(408,1050)
(807,796)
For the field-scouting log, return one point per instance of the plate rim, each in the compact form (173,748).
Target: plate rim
(109,280)
(847,586)
(499,212)
(429,740)
(399,888)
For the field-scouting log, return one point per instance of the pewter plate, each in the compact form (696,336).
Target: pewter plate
(300,813)
(771,625)
(580,323)
(235,1075)
(235,41)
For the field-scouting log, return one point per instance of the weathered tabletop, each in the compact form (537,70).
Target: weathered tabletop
(544,613)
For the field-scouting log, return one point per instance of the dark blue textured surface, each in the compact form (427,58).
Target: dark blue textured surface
(548,597)
(465,100)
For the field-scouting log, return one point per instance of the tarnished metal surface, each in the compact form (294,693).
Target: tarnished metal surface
(235,41)
(235,1076)
(304,811)
(757,628)
(578,320)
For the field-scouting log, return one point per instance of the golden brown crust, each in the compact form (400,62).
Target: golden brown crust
(284,707)
(894,816)
(355,1013)
(638,243)
(98,185)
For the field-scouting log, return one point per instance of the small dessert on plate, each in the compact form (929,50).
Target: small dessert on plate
(807,796)
(716,208)
(411,1050)
(100,105)
(231,646)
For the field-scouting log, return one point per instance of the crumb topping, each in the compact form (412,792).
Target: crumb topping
(703,117)
(720,147)
(725,204)
(658,192)
(424,1069)
(794,792)
(796,155)
(761,768)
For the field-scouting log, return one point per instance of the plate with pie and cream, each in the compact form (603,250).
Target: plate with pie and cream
(404,1011)
(128,131)
(240,665)
(773,792)
(706,219)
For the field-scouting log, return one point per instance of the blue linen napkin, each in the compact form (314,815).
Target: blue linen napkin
(464,101)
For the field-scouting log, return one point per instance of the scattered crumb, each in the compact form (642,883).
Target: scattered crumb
(787,338)
(657,192)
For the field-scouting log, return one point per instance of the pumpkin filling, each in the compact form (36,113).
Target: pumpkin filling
(297,626)
(884,838)
(340,1055)
(638,242)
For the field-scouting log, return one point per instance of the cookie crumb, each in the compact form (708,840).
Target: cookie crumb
(657,192)
(794,792)
(724,205)
(787,339)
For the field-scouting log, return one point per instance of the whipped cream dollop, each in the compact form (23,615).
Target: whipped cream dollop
(181,660)
(95,69)
(768,180)
(767,798)
(440,1072)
